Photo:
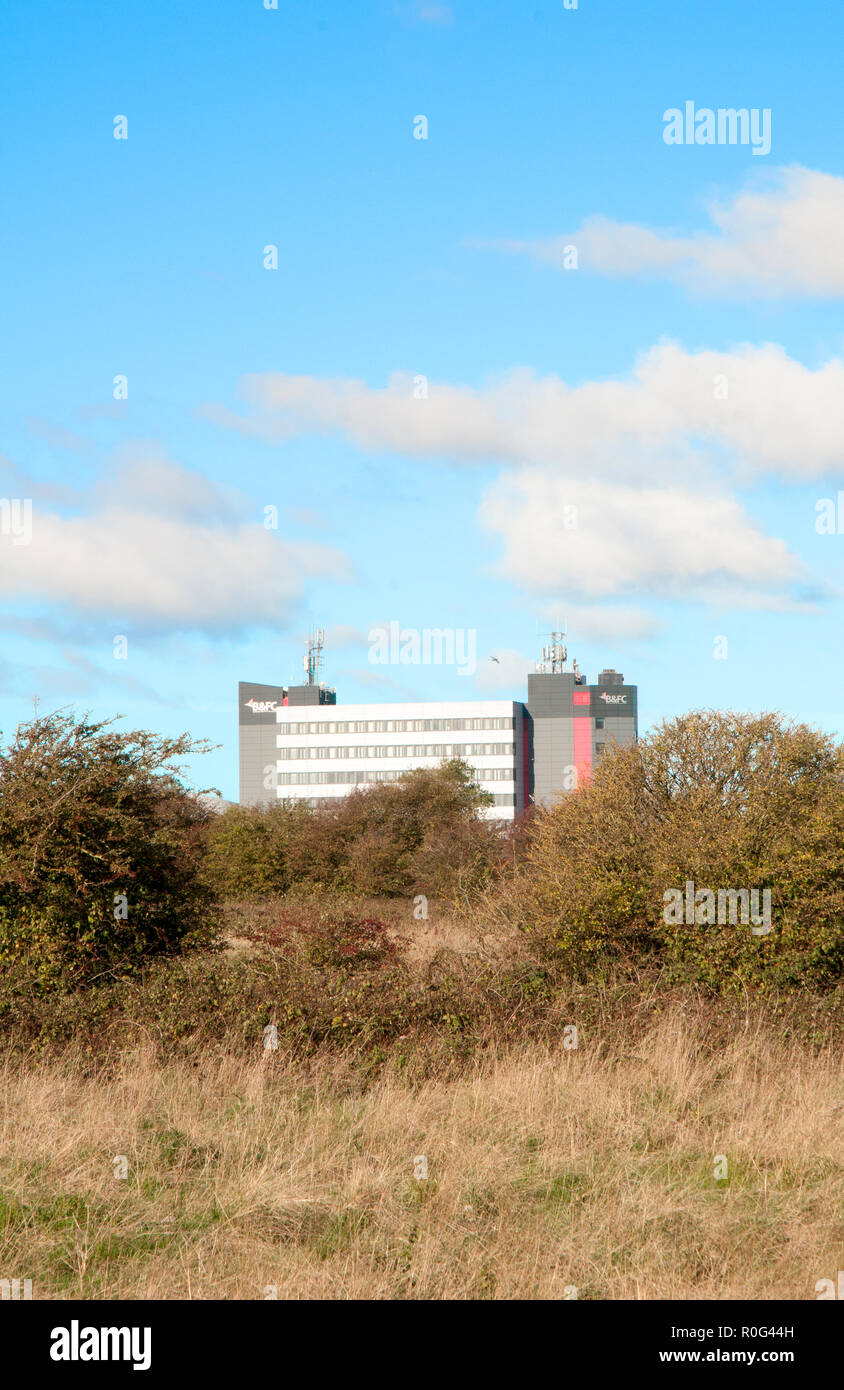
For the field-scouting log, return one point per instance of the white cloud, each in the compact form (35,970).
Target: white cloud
(340,635)
(778,237)
(163,549)
(762,411)
(146,481)
(649,461)
(509,671)
(79,676)
(453,420)
(57,436)
(661,541)
(622,623)
(379,681)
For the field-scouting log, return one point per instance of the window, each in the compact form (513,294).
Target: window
(599,723)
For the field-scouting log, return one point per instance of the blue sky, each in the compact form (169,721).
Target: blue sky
(398,257)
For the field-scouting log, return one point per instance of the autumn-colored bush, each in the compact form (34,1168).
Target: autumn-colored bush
(100,850)
(251,850)
(348,942)
(317,981)
(421,834)
(724,802)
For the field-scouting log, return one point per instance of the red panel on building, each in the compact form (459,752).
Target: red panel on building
(583,749)
(581,697)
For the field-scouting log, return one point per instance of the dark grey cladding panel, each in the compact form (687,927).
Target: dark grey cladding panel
(620,701)
(310,695)
(549,693)
(629,734)
(248,691)
(257,763)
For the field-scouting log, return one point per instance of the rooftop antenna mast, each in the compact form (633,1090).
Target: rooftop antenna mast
(554,653)
(312,660)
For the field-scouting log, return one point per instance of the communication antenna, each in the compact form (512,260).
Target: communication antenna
(554,653)
(312,660)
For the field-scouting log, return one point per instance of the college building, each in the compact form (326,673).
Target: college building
(297,743)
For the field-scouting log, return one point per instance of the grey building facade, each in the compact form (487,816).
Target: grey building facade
(569,725)
(257,728)
(530,753)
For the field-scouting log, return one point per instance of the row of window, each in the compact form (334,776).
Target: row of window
(301,779)
(418,750)
(319,802)
(392,726)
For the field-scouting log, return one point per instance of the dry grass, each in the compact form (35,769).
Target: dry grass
(477,935)
(546,1170)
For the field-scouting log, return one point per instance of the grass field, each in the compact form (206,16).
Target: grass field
(550,1174)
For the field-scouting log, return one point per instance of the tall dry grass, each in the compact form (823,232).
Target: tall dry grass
(548,1171)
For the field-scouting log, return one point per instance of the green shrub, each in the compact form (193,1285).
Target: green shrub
(724,801)
(255,851)
(100,849)
(421,834)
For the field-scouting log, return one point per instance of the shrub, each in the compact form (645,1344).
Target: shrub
(726,801)
(422,833)
(100,851)
(419,834)
(251,851)
(347,943)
